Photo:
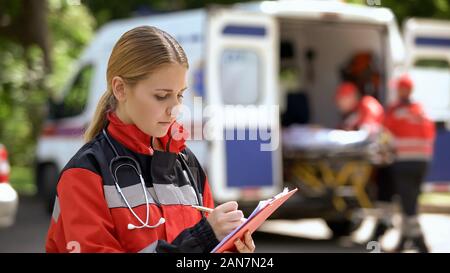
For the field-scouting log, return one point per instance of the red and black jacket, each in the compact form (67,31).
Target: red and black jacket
(91,216)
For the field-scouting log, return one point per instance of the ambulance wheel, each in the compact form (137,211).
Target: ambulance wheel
(342,228)
(47,179)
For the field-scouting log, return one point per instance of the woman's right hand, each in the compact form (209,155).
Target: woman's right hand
(224,218)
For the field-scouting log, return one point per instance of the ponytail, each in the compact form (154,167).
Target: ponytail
(106,103)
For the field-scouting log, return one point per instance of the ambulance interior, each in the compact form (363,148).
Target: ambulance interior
(312,56)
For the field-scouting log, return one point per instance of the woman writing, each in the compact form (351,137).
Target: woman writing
(130,188)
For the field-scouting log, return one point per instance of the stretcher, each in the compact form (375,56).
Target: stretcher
(320,160)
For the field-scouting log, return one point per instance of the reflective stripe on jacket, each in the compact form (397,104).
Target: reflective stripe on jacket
(413,132)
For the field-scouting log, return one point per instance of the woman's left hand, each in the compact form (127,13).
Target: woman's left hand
(245,246)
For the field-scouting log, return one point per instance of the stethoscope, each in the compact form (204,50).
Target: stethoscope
(127,161)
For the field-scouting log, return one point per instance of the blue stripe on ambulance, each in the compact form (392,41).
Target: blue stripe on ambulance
(432,41)
(244,30)
(246,164)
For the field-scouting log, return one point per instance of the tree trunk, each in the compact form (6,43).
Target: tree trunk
(29,27)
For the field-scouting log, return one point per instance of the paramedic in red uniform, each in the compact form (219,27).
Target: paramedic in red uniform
(366,113)
(414,137)
(359,113)
(128,189)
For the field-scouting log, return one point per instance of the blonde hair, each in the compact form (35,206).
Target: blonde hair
(136,54)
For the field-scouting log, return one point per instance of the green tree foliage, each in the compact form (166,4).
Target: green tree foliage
(106,10)
(436,9)
(25,83)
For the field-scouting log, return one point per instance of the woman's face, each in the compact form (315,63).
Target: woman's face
(149,103)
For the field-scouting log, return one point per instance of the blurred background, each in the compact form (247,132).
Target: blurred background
(45,83)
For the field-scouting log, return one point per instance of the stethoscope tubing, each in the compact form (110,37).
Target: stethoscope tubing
(135,166)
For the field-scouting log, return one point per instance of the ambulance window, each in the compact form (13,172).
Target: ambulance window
(432,76)
(432,63)
(239,76)
(75,99)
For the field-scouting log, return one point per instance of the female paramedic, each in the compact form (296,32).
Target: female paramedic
(131,186)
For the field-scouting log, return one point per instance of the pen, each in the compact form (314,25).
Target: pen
(208,210)
(205,209)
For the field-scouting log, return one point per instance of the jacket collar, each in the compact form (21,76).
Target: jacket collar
(134,139)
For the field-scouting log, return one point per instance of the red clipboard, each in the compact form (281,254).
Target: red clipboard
(254,221)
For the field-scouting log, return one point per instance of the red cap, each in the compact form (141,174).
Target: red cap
(405,82)
(346,89)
